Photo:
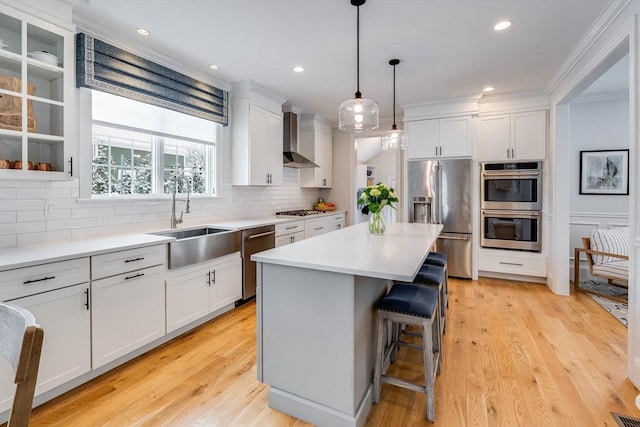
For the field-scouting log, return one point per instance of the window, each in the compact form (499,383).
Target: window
(140,150)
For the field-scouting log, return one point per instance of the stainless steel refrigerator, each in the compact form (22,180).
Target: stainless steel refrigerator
(440,193)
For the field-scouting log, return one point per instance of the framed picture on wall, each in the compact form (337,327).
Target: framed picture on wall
(604,172)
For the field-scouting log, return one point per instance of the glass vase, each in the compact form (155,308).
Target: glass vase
(376,223)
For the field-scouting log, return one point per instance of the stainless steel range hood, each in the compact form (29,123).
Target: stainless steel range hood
(291,158)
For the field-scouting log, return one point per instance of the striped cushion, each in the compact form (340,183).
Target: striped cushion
(614,241)
(615,269)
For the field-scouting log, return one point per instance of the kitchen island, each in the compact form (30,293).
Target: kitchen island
(315,317)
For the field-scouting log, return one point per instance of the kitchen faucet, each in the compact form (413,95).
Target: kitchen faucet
(175,221)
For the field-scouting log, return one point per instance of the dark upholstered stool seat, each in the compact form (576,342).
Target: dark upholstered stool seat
(409,299)
(436,258)
(409,304)
(430,275)
(436,276)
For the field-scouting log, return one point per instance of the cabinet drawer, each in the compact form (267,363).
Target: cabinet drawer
(114,263)
(26,281)
(289,238)
(535,265)
(289,227)
(338,217)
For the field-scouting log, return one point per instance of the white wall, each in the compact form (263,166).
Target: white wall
(602,125)
(32,212)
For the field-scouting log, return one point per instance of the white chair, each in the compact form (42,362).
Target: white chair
(607,253)
(21,345)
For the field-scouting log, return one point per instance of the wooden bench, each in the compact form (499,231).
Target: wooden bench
(607,256)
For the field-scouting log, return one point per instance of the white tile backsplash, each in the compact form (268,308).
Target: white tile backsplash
(35,211)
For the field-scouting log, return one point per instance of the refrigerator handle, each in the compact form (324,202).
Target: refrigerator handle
(439,204)
(453,237)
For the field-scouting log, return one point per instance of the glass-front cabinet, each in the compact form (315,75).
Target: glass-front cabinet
(36,91)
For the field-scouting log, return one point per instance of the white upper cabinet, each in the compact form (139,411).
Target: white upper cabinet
(256,129)
(449,137)
(515,136)
(316,144)
(36,97)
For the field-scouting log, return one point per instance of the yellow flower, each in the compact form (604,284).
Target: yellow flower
(374,192)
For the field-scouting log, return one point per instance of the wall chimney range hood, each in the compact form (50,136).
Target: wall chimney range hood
(291,158)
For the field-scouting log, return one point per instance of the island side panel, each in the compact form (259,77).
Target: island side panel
(368,291)
(308,334)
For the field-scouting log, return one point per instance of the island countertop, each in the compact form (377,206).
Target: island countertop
(396,255)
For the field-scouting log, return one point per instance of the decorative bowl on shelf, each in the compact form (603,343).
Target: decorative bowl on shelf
(43,56)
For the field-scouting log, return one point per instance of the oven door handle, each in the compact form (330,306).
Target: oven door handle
(511,214)
(518,175)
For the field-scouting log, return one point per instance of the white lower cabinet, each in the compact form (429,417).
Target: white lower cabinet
(66,351)
(195,291)
(127,312)
(289,232)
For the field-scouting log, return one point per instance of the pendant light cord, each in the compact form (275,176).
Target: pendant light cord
(358,94)
(394,127)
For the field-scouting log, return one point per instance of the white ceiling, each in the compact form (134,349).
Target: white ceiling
(447,48)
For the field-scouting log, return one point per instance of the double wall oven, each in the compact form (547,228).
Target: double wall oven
(511,203)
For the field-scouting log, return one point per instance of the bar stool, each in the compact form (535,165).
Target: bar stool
(435,276)
(440,259)
(409,304)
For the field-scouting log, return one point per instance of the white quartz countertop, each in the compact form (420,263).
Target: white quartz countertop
(396,255)
(25,256)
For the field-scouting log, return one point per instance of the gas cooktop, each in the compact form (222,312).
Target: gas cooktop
(299,212)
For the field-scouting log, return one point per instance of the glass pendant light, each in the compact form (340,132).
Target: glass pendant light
(358,114)
(394,138)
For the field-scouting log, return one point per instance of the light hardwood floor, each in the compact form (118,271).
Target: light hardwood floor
(514,355)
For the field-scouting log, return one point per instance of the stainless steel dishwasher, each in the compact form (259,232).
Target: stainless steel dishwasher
(254,240)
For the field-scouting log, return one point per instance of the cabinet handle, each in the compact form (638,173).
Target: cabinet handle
(214,277)
(291,228)
(38,280)
(292,239)
(133,260)
(209,278)
(134,276)
(508,153)
(513,153)
(319,228)
(86,293)
(324,182)
(436,150)
(71,166)
(510,263)
(440,150)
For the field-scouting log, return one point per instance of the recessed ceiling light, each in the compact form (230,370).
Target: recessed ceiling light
(488,89)
(143,32)
(502,25)
(214,67)
(298,69)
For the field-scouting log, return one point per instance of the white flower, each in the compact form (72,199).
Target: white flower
(374,192)
(392,195)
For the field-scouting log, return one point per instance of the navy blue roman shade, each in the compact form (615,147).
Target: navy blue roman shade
(107,68)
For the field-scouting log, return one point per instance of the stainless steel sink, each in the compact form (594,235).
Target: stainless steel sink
(200,244)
